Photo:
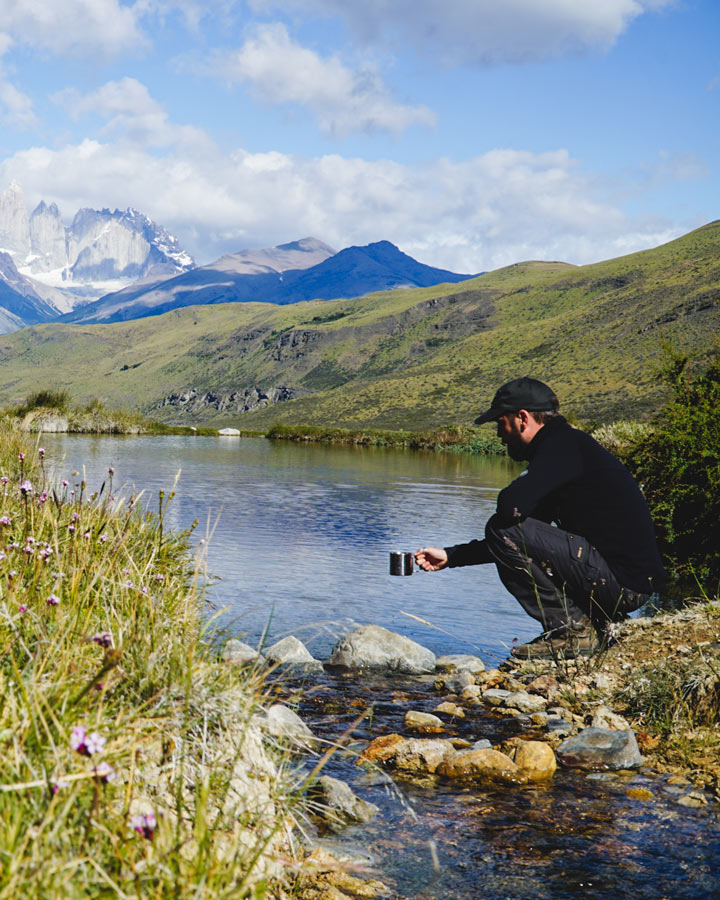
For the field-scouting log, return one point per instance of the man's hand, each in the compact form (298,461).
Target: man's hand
(431,559)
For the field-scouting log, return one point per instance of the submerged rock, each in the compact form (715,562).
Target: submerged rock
(338,805)
(600,748)
(536,760)
(372,647)
(482,765)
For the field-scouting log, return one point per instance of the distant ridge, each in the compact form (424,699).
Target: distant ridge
(289,273)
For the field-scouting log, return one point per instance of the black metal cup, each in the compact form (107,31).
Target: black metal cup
(401,563)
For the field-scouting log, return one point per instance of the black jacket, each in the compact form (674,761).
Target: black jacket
(574,482)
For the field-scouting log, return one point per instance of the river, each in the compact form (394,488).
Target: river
(297,540)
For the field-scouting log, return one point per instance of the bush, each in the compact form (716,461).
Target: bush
(44,400)
(678,466)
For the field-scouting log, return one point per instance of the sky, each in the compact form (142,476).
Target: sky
(471,133)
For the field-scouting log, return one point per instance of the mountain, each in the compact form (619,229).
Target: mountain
(100,250)
(408,359)
(20,302)
(289,273)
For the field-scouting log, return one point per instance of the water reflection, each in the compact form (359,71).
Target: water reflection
(301,533)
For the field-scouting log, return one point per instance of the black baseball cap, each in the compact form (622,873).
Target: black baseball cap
(522,393)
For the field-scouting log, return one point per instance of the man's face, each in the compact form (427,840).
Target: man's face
(512,432)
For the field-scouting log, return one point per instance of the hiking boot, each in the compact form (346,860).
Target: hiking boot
(575,639)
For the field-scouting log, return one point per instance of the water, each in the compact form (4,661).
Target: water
(300,537)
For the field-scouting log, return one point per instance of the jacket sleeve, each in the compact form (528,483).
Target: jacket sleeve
(474,553)
(556,463)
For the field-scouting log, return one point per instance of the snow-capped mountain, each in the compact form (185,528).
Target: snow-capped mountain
(100,251)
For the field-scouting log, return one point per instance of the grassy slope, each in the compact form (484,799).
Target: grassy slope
(403,359)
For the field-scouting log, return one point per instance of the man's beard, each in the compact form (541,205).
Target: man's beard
(516,449)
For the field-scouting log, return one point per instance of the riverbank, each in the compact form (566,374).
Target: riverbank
(133,761)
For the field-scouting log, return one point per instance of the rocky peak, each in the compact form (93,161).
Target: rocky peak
(14,226)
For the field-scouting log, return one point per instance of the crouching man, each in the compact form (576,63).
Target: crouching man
(572,537)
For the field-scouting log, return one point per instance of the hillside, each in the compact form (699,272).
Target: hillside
(400,359)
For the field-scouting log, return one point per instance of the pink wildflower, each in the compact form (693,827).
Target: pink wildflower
(53,600)
(144,825)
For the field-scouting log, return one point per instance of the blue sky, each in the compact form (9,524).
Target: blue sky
(471,133)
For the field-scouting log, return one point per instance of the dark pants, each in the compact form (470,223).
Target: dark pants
(558,577)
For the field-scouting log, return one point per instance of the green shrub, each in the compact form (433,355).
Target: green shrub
(678,466)
(44,400)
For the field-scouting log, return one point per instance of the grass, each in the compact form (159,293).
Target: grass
(130,763)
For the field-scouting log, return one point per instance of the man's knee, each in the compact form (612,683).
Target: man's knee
(502,539)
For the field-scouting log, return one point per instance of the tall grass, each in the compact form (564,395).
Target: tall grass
(130,764)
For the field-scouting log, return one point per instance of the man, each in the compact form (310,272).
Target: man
(572,537)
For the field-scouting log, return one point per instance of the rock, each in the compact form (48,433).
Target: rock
(451,709)
(471,694)
(527,703)
(693,799)
(232,432)
(383,748)
(495,696)
(600,748)
(286,725)
(292,653)
(542,684)
(602,681)
(482,744)
(606,718)
(422,755)
(535,760)
(455,684)
(482,765)
(556,725)
(490,678)
(460,662)
(424,722)
(374,647)
(639,793)
(239,653)
(539,718)
(338,804)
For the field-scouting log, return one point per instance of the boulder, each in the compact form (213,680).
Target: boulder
(606,718)
(600,748)
(423,722)
(450,709)
(292,653)
(422,755)
(338,805)
(460,662)
(239,653)
(482,765)
(382,749)
(372,647)
(282,723)
(495,696)
(525,702)
(536,760)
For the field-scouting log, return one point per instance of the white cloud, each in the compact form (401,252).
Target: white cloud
(342,100)
(86,26)
(483,31)
(495,209)
(131,114)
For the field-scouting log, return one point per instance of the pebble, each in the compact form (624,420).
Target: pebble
(423,722)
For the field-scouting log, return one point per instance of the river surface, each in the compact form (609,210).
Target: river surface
(299,537)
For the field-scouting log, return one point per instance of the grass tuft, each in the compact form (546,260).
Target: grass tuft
(130,762)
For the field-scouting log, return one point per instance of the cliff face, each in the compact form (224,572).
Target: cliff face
(99,248)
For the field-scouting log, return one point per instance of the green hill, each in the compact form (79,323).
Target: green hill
(404,359)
